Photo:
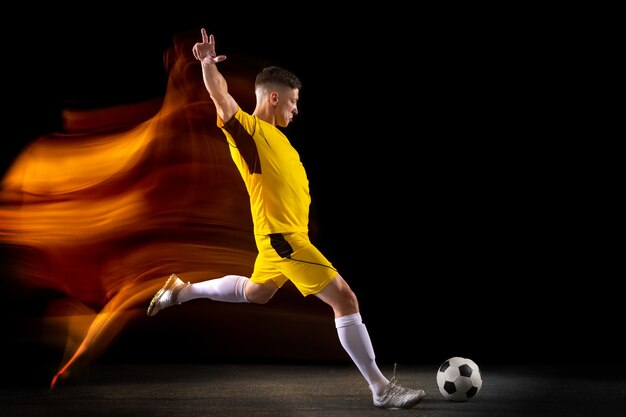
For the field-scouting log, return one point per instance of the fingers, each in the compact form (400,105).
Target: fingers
(206,48)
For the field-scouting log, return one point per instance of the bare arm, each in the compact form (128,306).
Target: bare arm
(214,81)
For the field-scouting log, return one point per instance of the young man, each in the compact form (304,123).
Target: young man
(279,198)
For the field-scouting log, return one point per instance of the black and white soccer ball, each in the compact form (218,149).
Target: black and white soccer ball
(459,379)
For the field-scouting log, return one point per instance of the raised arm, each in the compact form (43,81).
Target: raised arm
(214,81)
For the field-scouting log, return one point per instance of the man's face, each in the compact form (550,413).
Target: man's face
(287,106)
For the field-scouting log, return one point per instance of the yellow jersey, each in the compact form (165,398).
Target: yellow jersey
(272,172)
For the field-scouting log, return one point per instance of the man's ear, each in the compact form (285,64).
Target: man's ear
(274,97)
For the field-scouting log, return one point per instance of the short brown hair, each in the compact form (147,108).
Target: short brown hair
(278,76)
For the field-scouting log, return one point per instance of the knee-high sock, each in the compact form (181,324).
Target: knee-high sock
(229,289)
(356,341)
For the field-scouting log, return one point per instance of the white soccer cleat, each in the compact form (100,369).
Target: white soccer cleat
(167,296)
(397,397)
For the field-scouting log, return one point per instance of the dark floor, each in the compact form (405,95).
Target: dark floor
(307,390)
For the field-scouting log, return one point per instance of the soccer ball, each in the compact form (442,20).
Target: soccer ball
(459,379)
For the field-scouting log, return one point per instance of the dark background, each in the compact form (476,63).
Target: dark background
(443,180)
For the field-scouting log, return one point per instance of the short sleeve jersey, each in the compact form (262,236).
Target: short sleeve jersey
(272,172)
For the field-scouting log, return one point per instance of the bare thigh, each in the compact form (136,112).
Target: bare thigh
(340,297)
(260,293)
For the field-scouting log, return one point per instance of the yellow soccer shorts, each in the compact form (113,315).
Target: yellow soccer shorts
(291,256)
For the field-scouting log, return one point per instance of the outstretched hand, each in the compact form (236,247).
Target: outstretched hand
(205,51)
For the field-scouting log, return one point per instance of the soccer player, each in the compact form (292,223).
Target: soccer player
(279,199)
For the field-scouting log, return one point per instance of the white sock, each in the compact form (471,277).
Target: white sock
(356,341)
(229,289)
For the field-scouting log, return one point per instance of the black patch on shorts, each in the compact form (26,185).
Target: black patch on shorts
(280,245)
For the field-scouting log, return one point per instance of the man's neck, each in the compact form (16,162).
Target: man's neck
(265,114)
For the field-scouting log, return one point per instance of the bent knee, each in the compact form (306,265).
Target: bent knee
(259,293)
(349,301)
(255,299)
(346,295)
(340,297)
